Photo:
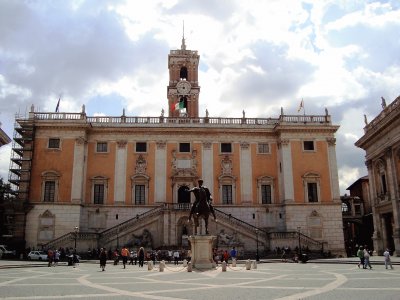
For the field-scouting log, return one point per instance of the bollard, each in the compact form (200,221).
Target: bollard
(162,266)
(185,263)
(248,264)
(214,264)
(189,267)
(149,265)
(254,265)
(233,262)
(223,264)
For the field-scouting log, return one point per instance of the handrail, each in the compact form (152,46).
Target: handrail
(233,219)
(122,226)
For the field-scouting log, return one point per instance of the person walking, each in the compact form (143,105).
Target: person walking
(103,259)
(176,257)
(360,255)
(124,254)
(141,256)
(388,262)
(367,263)
(233,253)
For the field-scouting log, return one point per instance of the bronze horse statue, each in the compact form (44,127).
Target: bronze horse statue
(202,207)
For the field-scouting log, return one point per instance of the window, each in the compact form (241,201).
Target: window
(140,187)
(141,147)
(184,147)
(312,192)
(308,146)
(183,74)
(54,143)
(98,194)
(101,147)
(139,194)
(227,194)
(49,191)
(263,148)
(50,181)
(266,194)
(226,147)
(345,207)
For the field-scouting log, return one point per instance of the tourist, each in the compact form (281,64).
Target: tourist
(50,257)
(360,255)
(141,256)
(124,254)
(233,253)
(388,262)
(176,257)
(103,259)
(367,263)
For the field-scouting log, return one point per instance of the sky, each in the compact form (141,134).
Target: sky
(255,55)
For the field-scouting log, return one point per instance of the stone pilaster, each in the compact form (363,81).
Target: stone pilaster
(120,172)
(160,180)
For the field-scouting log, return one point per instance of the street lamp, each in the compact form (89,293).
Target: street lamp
(76,235)
(257,255)
(298,234)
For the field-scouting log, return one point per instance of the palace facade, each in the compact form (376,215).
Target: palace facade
(381,142)
(108,181)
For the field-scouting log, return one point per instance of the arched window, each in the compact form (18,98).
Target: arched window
(50,181)
(183,74)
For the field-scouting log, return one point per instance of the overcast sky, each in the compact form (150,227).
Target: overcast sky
(256,56)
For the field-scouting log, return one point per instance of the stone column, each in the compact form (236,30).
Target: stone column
(245,173)
(287,170)
(391,180)
(120,172)
(207,166)
(334,178)
(78,170)
(376,237)
(160,176)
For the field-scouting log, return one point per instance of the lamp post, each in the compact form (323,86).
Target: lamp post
(298,234)
(257,255)
(76,236)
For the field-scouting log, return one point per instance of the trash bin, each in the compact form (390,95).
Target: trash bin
(304,258)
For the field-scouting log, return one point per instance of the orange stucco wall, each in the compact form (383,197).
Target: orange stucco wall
(316,162)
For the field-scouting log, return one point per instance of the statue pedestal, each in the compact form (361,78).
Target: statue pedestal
(201,247)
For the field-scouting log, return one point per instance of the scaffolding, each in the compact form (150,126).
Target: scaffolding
(21,158)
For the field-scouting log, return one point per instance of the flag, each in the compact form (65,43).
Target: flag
(58,104)
(179,105)
(301,105)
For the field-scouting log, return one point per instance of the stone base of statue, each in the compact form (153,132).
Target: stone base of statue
(202,251)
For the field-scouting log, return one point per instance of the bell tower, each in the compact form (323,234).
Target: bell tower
(183,89)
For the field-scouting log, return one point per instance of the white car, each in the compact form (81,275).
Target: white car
(37,255)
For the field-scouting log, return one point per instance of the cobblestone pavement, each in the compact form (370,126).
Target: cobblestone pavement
(268,281)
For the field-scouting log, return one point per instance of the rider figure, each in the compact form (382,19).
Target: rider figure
(198,191)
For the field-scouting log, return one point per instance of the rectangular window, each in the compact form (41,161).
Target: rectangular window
(312,192)
(139,194)
(263,148)
(141,147)
(226,194)
(54,143)
(101,147)
(184,147)
(226,147)
(308,146)
(49,191)
(266,194)
(98,194)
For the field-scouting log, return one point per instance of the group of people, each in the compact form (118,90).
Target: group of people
(224,255)
(364,254)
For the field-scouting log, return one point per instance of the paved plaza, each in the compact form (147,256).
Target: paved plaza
(339,279)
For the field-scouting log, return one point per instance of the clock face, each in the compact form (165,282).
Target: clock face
(183,87)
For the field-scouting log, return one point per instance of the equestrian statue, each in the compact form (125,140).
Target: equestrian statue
(202,206)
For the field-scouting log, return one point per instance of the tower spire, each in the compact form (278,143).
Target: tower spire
(183,46)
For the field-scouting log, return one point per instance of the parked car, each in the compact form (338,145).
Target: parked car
(37,255)
(5,253)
